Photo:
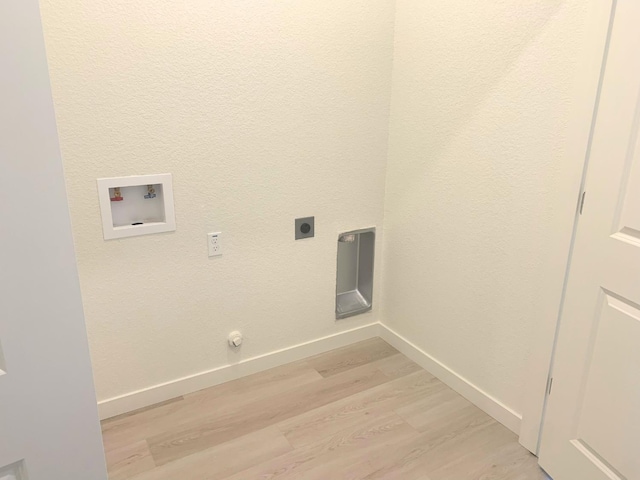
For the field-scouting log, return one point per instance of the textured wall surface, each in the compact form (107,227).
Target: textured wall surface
(269,110)
(263,111)
(480,106)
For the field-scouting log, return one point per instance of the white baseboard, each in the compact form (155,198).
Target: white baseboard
(182,386)
(464,387)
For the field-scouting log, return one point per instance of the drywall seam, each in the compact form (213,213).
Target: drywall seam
(192,383)
(457,382)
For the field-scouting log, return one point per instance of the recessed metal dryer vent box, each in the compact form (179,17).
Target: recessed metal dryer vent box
(354,280)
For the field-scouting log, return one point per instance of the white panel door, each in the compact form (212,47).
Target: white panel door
(591,428)
(49,427)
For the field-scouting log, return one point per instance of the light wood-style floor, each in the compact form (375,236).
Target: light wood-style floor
(360,412)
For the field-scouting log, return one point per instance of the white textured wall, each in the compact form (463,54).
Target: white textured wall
(263,111)
(269,110)
(480,107)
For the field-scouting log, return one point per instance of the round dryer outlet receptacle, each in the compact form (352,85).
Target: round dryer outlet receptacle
(235,339)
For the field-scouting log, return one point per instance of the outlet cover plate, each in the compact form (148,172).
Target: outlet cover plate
(214,240)
(305,228)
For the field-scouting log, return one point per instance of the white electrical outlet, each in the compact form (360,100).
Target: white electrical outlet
(215,244)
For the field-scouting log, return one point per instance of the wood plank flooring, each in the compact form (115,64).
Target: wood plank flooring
(360,412)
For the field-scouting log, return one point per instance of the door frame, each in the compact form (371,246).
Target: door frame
(559,242)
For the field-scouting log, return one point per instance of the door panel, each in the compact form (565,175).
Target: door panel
(49,426)
(591,429)
(612,384)
(628,225)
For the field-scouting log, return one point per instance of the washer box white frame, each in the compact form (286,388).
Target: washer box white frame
(110,231)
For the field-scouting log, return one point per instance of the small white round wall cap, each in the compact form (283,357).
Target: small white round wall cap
(235,339)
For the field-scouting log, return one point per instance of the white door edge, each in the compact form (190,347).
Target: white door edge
(561,237)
